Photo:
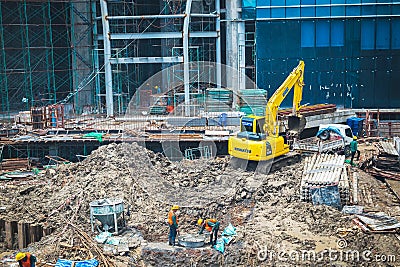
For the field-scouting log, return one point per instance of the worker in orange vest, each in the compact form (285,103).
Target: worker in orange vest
(25,259)
(173,224)
(211,225)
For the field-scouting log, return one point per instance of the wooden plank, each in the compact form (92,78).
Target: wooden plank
(355,187)
(21,235)
(9,234)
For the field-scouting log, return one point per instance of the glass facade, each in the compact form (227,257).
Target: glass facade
(351,49)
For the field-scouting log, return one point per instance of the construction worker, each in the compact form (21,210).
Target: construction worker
(25,259)
(354,150)
(173,224)
(211,225)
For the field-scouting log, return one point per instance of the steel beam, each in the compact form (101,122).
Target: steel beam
(138,60)
(157,35)
(172,16)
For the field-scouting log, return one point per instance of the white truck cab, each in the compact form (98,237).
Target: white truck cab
(344,129)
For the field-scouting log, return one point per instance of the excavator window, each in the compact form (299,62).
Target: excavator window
(247,128)
(247,125)
(260,126)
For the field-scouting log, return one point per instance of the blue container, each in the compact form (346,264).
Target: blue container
(356,125)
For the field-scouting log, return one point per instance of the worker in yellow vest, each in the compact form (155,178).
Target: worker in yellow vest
(211,225)
(173,224)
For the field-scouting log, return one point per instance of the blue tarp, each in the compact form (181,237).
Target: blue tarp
(230,230)
(227,236)
(330,128)
(356,125)
(328,195)
(68,263)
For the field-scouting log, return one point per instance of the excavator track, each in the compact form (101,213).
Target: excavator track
(265,166)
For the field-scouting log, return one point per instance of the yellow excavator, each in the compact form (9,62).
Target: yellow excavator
(259,140)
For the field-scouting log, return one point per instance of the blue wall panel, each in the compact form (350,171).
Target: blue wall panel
(337,33)
(382,34)
(248,3)
(263,13)
(278,12)
(307,34)
(292,2)
(348,70)
(292,12)
(323,33)
(338,9)
(368,34)
(396,34)
(263,2)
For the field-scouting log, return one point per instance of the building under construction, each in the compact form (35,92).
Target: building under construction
(116,113)
(55,51)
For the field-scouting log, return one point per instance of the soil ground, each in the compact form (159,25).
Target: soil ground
(274,228)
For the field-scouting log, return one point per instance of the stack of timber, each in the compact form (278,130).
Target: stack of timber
(325,170)
(15,164)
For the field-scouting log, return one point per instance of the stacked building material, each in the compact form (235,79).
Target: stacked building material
(396,143)
(386,164)
(388,148)
(323,170)
(15,164)
(218,100)
(253,101)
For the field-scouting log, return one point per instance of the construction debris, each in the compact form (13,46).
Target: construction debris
(264,208)
(377,223)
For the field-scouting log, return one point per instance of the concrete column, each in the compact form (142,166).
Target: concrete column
(107,55)
(185,36)
(232,45)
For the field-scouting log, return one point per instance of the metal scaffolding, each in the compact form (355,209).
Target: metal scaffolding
(158,36)
(55,51)
(45,53)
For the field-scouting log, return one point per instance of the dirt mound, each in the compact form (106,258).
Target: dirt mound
(266,209)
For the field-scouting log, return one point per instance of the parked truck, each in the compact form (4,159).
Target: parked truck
(334,138)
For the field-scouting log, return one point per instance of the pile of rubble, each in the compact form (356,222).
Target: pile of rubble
(147,182)
(184,174)
(266,209)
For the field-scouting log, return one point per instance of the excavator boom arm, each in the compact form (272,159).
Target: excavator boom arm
(295,79)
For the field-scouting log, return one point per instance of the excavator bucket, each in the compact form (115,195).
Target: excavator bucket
(296,123)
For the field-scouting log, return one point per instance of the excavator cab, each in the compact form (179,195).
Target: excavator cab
(252,128)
